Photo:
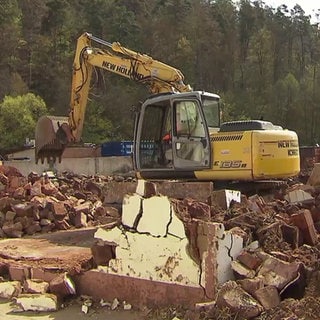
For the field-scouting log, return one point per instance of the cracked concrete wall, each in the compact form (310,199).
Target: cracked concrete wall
(152,243)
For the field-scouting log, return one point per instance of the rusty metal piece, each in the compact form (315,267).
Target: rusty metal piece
(51,138)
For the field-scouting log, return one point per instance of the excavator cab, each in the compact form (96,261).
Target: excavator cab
(172,135)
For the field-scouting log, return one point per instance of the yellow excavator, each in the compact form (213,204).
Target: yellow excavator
(178,132)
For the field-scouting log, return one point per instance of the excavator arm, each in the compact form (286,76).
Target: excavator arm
(53,134)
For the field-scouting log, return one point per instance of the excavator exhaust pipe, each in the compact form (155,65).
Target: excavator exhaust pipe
(51,137)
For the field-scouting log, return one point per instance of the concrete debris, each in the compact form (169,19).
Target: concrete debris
(36,302)
(238,301)
(10,289)
(126,306)
(35,286)
(225,197)
(115,304)
(87,303)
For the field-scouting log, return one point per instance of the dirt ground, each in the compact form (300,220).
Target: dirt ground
(70,312)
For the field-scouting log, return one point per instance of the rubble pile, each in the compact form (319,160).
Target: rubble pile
(33,204)
(269,242)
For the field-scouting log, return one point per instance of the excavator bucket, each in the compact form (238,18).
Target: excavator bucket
(51,138)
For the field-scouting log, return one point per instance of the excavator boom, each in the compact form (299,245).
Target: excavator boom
(53,134)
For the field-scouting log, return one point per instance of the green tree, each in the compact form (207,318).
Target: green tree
(97,127)
(18,117)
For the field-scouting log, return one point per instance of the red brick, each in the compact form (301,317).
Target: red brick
(19,273)
(268,296)
(303,220)
(250,260)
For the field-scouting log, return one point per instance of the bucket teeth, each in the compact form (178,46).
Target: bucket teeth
(49,139)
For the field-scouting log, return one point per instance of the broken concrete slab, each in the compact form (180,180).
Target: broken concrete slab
(159,259)
(36,302)
(25,256)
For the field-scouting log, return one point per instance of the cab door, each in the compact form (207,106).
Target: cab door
(190,141)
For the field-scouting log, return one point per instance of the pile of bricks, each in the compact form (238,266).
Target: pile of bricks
(33,204)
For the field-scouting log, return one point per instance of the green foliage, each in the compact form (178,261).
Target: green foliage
(263,61)
(18,117)
(97,128)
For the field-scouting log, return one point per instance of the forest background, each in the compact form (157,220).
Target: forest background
(264,62)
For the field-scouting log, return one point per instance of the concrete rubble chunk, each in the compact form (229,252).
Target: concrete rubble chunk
(224,197)
(35,286)
(9,289)
(256,203)
(115,304)
(158,259)
(36,302)
(238,301)
(59,209)
(298,196)
(230,244)
(23,209)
